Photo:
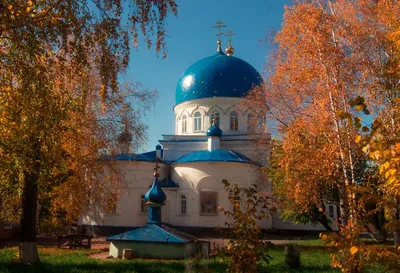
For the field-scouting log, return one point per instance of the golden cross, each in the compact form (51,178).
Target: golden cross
(229,33)
(157,160)
(215,105)
(219,25)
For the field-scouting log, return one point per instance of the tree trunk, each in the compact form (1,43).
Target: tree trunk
(324,222)
(396,233)
(379,219)
(379,237)
(28,246)
(343,185)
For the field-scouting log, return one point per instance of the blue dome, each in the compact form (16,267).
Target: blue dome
(218,75)
(155,194)
(214,131)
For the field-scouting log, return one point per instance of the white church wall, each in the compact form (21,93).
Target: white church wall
(223,105)
(195,178)
(138,176)
(173,149)
(177,146)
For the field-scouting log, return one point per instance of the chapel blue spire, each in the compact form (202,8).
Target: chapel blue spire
(155,199)
(214,130)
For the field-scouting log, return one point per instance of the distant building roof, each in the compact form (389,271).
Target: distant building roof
(133,157)
(213,156)
(155,234)
(147,157)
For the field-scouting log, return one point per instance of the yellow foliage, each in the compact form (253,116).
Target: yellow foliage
(353,250)
(359,107)
(384,167)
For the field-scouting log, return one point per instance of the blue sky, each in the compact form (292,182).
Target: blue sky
(191,38)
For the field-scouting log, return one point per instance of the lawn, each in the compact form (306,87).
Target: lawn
(78,261)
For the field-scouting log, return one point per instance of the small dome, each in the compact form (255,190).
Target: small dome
(229,50)
(217,76)
(214,131)
(155,194)
(158,147)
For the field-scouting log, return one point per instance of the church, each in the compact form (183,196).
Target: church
(213,140)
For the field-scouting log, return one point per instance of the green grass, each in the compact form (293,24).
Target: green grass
(311,261)
(69,261)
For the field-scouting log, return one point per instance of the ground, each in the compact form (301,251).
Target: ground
(314,258)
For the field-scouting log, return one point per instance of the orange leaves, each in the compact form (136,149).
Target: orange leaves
(245,249)
(353,250)
(334,58)
(50,92)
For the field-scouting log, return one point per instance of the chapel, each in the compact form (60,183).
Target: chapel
(213,140)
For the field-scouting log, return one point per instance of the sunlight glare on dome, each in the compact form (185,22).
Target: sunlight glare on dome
(188,81)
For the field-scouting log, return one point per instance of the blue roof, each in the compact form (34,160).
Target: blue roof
(214,131)
(155,194)
(151,154)
(155,234)
(168,183)
(218,75)
(147,157)
(213,156)
(131,157)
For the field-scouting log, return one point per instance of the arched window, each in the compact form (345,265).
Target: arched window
(234,122)
(261,122)
(215,116)
(250,120)
(197,124)
(184,124)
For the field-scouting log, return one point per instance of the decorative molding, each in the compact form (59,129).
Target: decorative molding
(250,110)
(202,179)
(209,112)
(200,109)
(179,116)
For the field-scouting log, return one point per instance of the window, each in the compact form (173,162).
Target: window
(197,122)
(112,203)
(234,122)
(331,211)
(208,203)
(144,209)
(183,204)
(184,124)
(250,118)
(215,116)
(261,122)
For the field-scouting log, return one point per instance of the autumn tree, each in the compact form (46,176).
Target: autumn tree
(291,186)
(310,81)
(333,58)
(60,63)
(245,249)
